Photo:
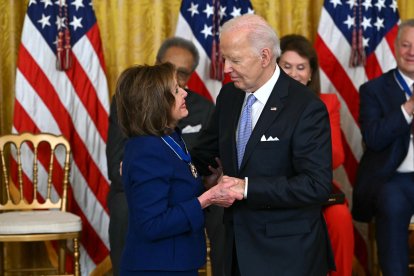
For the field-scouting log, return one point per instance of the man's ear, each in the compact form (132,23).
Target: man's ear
(265,56)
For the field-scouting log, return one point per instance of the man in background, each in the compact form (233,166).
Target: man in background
(183,54)
(385,178)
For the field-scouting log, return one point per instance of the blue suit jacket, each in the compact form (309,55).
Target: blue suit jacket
(166,222)
(386,135)
(279,228)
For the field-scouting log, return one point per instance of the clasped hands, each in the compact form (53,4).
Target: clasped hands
(222,190)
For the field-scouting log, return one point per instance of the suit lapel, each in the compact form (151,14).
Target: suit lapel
(271,111)
(396,97)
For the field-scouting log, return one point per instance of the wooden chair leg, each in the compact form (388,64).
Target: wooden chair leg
(2,259)
(76,255)
(62,257)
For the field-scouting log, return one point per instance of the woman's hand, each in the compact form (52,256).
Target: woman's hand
(224,193)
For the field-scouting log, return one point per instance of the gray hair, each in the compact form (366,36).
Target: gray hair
(180,43)
(260,33)
(404,24)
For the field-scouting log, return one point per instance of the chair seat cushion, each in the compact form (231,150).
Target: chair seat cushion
(30,222)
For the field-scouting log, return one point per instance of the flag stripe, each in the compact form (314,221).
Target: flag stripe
(95,38)
(372,67)
(59,82)
(196,84)
(203,69)
(81,82)
(91,64)
(41,84)
(349,126)
(340,49)
(390,37)
(382,53)
(350,164)
(339,78)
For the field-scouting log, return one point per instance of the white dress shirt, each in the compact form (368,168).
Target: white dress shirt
(262,95)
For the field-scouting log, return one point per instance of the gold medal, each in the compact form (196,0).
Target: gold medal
(193,170)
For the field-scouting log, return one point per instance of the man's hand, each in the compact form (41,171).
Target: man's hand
(227,190)
(214,177)
(237,184)
(409,105)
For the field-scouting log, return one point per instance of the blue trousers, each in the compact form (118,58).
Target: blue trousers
(394,210)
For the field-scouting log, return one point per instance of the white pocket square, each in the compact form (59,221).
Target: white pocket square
(269,139)
(191,129)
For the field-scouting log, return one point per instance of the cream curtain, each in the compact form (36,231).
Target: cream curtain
(132,31)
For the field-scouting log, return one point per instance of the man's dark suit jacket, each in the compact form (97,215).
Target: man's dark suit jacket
(386,135)
(279,228)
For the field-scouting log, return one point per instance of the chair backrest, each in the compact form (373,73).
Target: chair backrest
(37,174)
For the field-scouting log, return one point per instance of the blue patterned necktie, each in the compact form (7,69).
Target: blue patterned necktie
(245,128)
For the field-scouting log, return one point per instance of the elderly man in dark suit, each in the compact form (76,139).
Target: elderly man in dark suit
(385,178)
(183,54)
(283,168)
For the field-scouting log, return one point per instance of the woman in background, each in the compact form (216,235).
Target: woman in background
(299,60)
(163,189)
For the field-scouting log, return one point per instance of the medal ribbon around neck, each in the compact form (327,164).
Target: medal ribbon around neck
(183,155)
(399,78)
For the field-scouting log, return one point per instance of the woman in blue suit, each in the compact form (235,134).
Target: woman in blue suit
(164,191)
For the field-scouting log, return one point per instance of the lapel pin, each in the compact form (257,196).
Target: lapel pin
(273,108)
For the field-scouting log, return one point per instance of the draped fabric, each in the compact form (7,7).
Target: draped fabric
(132,31)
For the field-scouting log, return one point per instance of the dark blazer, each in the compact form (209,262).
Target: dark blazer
(279,228)
(199,109)
(386,135)
(166,222)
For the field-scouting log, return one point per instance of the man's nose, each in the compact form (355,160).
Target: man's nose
(227,66)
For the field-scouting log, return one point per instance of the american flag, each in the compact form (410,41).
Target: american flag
(367,30)
(74,103)
(200,21)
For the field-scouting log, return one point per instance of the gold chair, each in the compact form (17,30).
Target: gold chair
(34,207)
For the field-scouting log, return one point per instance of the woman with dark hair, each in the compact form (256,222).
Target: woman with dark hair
(299,60)
(163,189)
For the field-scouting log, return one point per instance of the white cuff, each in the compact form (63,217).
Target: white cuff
(246,183)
